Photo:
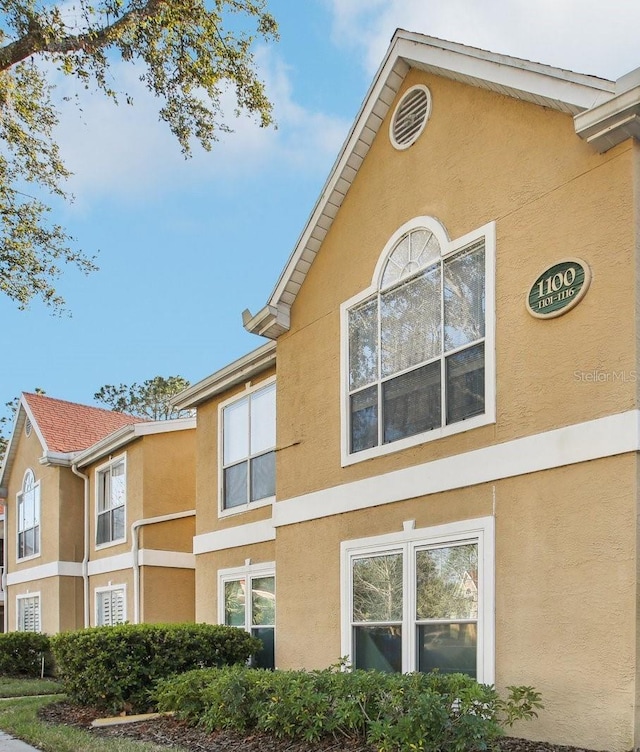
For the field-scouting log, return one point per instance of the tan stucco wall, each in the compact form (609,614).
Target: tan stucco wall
(207,567)
(565,590)
(208,482)
(60,603)
(168,595)
(551,196)
(71,515)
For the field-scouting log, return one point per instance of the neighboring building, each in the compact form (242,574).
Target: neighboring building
(140,482)
(2,537)
(44,511)
(457,483)
(77,480)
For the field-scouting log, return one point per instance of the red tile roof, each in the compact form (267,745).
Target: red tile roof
(69,427)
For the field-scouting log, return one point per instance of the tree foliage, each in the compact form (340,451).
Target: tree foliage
(189,52)
(152,399)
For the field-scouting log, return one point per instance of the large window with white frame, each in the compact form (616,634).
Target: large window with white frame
(28,517)
(28,613)
(418,344)
(247,599)
(248,440)
(111,499)
(111,605)
(421,600)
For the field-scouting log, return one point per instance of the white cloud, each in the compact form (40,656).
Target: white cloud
(125,151)
(583,35)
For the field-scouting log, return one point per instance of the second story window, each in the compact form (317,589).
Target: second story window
(248,448)
(111,503)
(28,514)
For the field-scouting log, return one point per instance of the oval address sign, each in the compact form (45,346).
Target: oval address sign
(559,288)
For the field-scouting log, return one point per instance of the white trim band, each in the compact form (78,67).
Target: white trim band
(603,437)
(150,557)
(44,571)
(233,537)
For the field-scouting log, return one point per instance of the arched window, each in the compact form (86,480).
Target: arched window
(28,517)
(416,340)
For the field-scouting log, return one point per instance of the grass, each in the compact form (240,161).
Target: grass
(10,687)
(19,718)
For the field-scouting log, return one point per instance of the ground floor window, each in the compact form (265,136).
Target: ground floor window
(28,610)
(247,599)
(111,605)
(421,600)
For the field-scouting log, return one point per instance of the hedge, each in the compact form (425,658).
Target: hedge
(392,712)
(21,654)
(114,668)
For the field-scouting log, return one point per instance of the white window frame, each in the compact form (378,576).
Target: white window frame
(109,589)
(100,470)
(20,602)
(37,501)
(268,500)
(448,247)
(247,572)
(480,531)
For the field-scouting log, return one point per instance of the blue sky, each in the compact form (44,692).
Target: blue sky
(184,246)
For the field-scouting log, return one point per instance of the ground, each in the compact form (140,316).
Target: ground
(172,733)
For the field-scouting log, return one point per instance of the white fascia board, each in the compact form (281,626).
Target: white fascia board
(126,434)
(150,557)
(611,122)
(240,370)
(22,413)
(110,564)
(64,459)
(595,439)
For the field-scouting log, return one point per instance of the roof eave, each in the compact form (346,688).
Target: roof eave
(612,122)
(542,84)
(239,371)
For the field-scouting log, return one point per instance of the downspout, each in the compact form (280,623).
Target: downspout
(85,560)
(135,549)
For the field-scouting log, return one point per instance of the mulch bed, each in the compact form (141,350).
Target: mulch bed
(172,733)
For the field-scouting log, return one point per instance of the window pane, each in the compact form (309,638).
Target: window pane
(117,485)
(235,485)
(447,582)
(236,431)
(36,505)
(103,534)
(464,301)
(378,648)
(265,657)
(411,403)
(465,384)
(263,600)
(28,501)
(449,648)
(263,419)
(118,523)
(20,545)
(103,491)
(364,419)
(263,476)
(36,539)
(28,543)
(410,322)
(234,603)
(377,588)
(363,344)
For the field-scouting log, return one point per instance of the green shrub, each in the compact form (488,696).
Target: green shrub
(393,712)
(115,668)
(21,654)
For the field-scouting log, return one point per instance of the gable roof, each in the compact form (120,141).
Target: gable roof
(68,426)
(63,428)
(605,113)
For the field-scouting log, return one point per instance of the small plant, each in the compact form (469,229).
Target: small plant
(393,712)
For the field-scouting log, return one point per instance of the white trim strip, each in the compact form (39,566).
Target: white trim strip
(233,537)
(149,557)
(603,437)
(110,564)
(43,571)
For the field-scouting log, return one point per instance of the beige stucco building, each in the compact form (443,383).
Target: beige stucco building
(442,471)
(83,487)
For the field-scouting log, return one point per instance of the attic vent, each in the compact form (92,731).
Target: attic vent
(27,427)
(410,117)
